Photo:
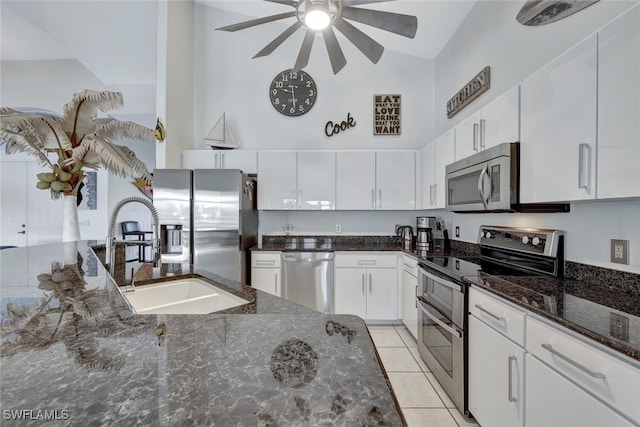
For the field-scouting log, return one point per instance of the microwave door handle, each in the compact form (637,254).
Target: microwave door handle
(481,186)
(439,322)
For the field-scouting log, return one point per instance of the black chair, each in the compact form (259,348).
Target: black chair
(132,228)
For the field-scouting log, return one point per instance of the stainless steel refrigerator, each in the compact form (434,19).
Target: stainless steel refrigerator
(208,217)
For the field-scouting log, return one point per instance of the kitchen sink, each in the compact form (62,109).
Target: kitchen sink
(181,296)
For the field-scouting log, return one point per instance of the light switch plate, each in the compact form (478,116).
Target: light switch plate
(620,251)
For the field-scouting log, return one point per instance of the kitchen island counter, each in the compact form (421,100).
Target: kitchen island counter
(73,352)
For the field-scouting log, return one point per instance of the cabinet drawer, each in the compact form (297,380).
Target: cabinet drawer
(265,259)
(409,264)
(498,314)
(607,377)
(366,260)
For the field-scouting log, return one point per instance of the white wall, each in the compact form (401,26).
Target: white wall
(490,35)
(228,80)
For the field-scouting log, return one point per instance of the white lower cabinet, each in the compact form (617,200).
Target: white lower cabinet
(496,363)
(409,286)
(265,272)
(366,285)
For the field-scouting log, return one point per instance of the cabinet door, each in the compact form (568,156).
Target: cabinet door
(619,107)
(350,291)
(428,181)
(468,136)
(316,180)
(552,400)
(267,280)
(199,159)
(444,154)
(277,175)
(395,180)
(496,377)
(409,306)
(382,294)
(558,143)
(501,119)
(245,160)
(355,179)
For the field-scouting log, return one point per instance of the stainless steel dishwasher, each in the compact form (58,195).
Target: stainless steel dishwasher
(307,279)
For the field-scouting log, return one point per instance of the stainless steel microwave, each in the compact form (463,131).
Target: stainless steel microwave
(486,181)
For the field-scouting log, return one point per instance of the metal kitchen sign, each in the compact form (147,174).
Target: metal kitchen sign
(386,114)
(477,86)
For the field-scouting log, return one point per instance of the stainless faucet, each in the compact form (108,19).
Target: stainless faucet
(111,238)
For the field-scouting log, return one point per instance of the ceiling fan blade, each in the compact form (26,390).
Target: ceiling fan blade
(371,48)
(338,61)
(278,40)
(254,22)
(287,2)
(404,25)
(305,50)
(357,2)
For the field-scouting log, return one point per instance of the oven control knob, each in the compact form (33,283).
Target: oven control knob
(535,241)
(525,239)
(487,234)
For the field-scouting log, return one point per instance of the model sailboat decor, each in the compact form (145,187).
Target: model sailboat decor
(220,136)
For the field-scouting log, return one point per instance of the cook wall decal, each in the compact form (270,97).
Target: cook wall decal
(331,128)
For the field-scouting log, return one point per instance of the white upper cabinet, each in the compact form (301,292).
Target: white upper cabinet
(383,180)
(435,157)
(495,123)
(356,179)
(395,180)
(245,160)
(558,128)
(277,180)
(316,180)
(619,107)
(290,180)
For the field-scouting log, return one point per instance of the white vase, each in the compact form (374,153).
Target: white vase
(70,226)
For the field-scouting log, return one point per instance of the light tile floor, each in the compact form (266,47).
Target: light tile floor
(422,400)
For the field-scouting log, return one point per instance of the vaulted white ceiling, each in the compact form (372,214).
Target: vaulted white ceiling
(116,40)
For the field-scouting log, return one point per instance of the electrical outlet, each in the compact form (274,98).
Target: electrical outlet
(338,228)
(620,251)
(619,327)
(457,231)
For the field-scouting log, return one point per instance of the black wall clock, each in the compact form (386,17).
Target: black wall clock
(293,92)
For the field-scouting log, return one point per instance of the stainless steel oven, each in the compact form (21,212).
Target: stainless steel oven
(441,314)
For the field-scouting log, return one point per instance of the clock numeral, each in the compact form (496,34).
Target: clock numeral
(293,75)
(277,101)
(292,110)
(285,78)
(307,101)
(274,92)
(301,108)
(279,84)
(308,83)
(311,93)
(284,106)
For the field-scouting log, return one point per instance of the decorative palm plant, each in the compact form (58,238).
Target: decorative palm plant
(78,137)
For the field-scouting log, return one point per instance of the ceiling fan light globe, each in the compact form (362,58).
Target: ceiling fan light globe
(317,18)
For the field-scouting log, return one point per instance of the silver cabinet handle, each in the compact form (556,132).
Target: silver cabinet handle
(475,137)
(276,283)
(221,160)
(369,283)
(482,134)
(300,199)
(431,194)
(265,262)
(416,298)
(485,311)
(215,161)
(510,361)
(366,262)
(584,369)
(379,197)
(373,198)
(362,283)
(584,167)
(435,194)
(293,198)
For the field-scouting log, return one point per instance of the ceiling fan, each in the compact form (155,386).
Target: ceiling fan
(324,15)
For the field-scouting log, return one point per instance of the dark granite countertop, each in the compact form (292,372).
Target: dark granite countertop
(72,351)
(579,304)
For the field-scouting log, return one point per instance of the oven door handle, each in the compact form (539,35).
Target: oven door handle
(455,286)
(439,322)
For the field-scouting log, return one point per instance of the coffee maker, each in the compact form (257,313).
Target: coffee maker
(424,232)
(440,235)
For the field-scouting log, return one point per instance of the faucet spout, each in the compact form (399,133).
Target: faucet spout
(111,237)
